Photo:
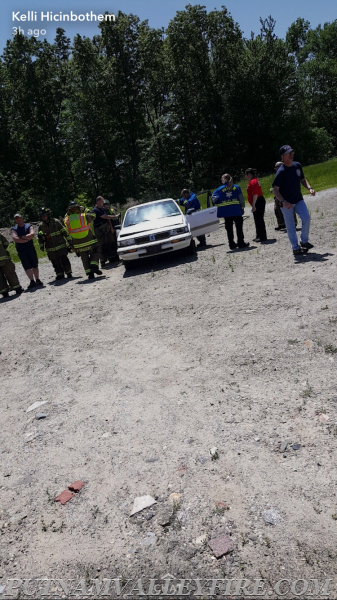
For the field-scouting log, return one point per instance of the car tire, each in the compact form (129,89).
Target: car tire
(191,249)
(128,265)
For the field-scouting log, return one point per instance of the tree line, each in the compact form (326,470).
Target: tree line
(141,112)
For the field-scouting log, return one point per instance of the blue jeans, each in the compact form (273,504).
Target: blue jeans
(302,211)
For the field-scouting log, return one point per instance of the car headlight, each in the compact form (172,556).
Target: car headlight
(178,231)
(129,242)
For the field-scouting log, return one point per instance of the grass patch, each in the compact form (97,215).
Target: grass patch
(14,255)
(330,349)
(321,176)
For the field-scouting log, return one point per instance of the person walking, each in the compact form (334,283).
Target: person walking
(287,189)
(104,232)
(53,237)
(85,244)
(190,200)
(278,206)
(8,277)
(23,235)
(258,204)
(231,205)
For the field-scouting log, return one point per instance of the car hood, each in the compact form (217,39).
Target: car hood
(148,226)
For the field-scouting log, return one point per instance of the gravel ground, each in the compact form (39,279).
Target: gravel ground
(143,374)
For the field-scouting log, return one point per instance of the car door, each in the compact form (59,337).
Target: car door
(203,221)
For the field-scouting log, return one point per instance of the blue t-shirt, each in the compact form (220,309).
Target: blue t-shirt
(20,232)
(191,202)
(99,212)
(288,179)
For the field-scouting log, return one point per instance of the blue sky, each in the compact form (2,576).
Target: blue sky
(159,13)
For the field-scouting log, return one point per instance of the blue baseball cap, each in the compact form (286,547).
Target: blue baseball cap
(286,150)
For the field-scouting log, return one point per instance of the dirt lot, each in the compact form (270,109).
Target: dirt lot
(144,373)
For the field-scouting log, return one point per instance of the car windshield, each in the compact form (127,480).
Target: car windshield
(150,212)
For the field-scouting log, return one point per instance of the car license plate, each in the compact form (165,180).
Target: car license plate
(154,249)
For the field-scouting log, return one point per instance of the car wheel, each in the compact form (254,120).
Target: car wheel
(128,265)
(191,248)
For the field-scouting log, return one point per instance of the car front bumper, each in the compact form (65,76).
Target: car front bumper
(154,248)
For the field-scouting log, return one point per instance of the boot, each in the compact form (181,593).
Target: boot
(5,294)
(69,275)
(91,276)
(19,291)
(59,277)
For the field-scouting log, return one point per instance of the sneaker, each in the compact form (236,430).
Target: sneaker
(298,252)
(306,246)
(69,275)
(59,276)
(91,276)
(19,291)
(256,239)
(280,227)
(233,245)
(39,282)
(32,285)
(244,245)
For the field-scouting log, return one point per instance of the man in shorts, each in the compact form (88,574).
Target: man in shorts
(287,189)
(22,235)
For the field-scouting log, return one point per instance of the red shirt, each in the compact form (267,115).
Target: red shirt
(253,188)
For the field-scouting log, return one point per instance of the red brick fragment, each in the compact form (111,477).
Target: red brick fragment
(221,545)
(76,486)
(64,497)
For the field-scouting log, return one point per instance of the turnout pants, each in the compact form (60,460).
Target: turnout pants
(229,225)
(61,263)
(107,243)
(8,277)
(90,258)
(259,220)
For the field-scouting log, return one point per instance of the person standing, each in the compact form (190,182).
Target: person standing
(85,244)
(8,277)
(53,237)
(287,189)
(229,199)
(23,235)
(190,200)
(258,204)
(104,232)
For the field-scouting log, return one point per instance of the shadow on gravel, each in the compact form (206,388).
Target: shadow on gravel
(268,242)
(88,281)
(2,300)
(312,257)
(159,263)
(62,281)
(236,250)
(113,265)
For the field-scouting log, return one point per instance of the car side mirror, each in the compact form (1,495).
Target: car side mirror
(190,211)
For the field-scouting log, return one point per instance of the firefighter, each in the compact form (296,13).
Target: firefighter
(8,277)
(84,241)
(53,237)
(104,232)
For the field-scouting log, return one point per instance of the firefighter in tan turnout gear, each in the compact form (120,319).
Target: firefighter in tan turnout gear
(83,240)
(53,237)
(8,277)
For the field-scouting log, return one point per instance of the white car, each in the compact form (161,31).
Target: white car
(160,227)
